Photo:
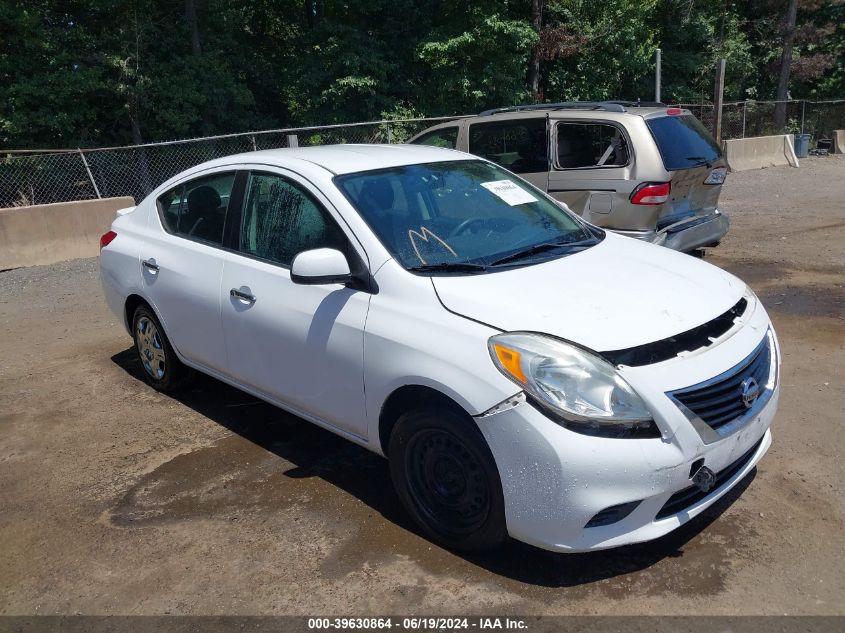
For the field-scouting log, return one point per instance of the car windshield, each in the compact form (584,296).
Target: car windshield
(683,141)
(462,216)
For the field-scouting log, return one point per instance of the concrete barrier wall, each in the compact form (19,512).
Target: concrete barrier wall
(838,142)
(49,233)
(760,151)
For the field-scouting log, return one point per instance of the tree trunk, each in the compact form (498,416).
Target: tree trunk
(191,17)
(534,60)
(785,64)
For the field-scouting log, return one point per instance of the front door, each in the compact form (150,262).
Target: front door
(299,345)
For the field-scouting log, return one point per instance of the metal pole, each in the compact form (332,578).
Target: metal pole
(717,100)
(293,140)
(657,76)
(90,175)
(254,146)
(744,105)
(389,133)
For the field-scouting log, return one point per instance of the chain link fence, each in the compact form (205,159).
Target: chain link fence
(741,119)
(59,176)
(43,177)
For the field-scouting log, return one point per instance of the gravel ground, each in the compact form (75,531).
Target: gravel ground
(117,500)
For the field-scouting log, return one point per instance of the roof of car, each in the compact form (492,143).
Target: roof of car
(345,159)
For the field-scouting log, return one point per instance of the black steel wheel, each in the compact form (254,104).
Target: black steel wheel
(447,479)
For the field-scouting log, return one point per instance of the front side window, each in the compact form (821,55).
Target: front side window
(461,214)
(581,145)
(280,220)
(444,137)
(520,145)
(197,209)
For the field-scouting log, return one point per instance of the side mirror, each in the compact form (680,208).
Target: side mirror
(320,266)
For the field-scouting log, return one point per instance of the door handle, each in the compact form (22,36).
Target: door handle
(242,296)
(150,264)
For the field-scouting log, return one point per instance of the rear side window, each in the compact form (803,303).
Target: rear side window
(683,141)
(581,145)
(280,220)
(520,146)
(445,137)
(197,209)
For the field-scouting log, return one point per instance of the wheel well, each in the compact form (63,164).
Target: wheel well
(406,398)
(132,303)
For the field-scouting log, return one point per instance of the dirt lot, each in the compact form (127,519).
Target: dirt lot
(115,499)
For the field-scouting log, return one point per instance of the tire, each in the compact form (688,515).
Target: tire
(446,477)
(162,370)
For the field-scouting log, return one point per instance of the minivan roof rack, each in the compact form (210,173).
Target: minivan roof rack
(640,104)
(607,106)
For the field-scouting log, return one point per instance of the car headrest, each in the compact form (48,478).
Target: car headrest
(203,199)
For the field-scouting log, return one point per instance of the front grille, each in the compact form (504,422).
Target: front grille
(719,401)
(692,495)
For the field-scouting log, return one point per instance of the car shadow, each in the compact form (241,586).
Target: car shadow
(316,452)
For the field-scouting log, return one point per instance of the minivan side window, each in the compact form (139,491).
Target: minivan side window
(197,209)
(445,137)
(581,145)
(280,220)
(520,145)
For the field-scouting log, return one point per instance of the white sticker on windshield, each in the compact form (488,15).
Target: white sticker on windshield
(509,192)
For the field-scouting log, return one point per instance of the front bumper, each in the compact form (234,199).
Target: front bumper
(555,481)
(687,234)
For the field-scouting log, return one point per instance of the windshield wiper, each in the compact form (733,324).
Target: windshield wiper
(449,267)
(543,246)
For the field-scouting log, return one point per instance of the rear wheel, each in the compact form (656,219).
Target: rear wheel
(162,369)
(446,478)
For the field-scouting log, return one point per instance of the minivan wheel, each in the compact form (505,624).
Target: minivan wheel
(162,369)
(447,480)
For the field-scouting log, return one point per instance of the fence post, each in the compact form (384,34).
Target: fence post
(717,101)
(389,134)
(90,175)
(293,140)
(744,106)
(254,146)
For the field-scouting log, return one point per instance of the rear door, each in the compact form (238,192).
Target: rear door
(182,264)
(690,156)
(520,145)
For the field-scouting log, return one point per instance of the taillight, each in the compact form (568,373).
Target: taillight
(651,193)
(673,111)
(106,238)
(717,176)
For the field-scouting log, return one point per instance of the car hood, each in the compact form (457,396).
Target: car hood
(618,294)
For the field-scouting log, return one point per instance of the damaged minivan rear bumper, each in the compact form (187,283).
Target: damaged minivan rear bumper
(687,234)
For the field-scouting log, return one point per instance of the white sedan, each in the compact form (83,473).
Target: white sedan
(525,373)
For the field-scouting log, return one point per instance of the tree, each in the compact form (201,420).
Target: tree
(785,63)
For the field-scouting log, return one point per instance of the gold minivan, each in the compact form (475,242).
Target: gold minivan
(649,172)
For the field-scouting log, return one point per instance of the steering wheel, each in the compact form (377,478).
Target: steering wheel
(465,225)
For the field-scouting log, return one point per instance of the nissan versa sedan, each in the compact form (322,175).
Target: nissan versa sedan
(526,373)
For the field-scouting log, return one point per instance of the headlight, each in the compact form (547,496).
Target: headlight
(584,391)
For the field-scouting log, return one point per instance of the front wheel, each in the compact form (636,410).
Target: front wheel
(447,479)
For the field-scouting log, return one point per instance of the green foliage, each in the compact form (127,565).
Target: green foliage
(104,72)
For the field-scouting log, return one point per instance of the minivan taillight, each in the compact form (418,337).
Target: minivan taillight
(651,193)
(106,238)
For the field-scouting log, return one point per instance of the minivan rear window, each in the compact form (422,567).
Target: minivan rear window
(683,141)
